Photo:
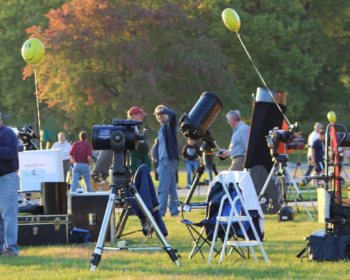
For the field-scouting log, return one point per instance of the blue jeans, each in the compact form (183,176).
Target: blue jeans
(167,186)
(9,185)
(191,166)
(81,169)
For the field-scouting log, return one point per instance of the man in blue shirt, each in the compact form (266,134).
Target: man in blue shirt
(168,157)
(318,153)
(9,185)
(239,141)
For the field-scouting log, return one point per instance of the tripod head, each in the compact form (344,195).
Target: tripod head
(122,136)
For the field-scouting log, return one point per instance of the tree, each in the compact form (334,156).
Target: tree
(15,17)
(298,46)
(103,57)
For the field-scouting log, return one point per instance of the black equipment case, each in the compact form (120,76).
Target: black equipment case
(44,229)
(89,209)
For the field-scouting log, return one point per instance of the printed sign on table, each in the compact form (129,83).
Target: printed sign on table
(40,166)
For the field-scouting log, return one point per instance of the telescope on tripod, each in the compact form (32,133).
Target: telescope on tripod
(280,167)
(196,125)
(122,136)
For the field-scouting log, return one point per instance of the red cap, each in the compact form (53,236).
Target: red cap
(135,111)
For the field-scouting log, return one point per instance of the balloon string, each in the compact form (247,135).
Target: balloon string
(256,69)
(37,102)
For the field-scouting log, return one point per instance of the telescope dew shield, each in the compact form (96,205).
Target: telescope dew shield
(202,116)
(124,138)
(263,95)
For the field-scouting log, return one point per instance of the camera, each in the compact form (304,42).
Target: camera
(25,136)
(121,136)
(277,135)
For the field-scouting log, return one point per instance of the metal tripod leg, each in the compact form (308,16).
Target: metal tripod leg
(198,174)
(102,236)
(287,171)
(307,185)
(308,190)
(122,221)
(291,191)
(171,252)
(267,181)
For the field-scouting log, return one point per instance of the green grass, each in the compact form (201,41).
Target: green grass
(282,241)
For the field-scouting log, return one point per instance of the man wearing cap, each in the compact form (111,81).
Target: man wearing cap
(168,155)
(140,156)
(9,185)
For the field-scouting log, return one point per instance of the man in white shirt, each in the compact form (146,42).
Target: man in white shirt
(65,147)
(312,137)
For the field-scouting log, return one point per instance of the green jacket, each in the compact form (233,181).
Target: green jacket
(135,156)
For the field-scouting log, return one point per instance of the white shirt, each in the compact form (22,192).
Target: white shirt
(312,137)
(64,147)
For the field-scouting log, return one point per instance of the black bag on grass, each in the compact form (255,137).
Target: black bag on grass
(326,247)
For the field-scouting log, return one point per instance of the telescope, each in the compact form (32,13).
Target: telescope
(121,136)
(277,135)
(197,123)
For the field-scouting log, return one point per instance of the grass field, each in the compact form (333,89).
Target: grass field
(282,241)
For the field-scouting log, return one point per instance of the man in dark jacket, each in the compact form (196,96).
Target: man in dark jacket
(9,185)
(168,155)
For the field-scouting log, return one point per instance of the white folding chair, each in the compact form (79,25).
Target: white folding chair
(227,178)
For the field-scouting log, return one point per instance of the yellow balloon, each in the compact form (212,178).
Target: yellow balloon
(231,19)
(33,51)
(332,117)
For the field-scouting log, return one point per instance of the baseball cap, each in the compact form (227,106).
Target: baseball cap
(135,111)
(159,109)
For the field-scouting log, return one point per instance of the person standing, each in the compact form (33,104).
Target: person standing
(65,146)
(312,138)
(317,156)
(168,155)
(239,141)
(9,185)
(191,155)
(81,156)
(140,156)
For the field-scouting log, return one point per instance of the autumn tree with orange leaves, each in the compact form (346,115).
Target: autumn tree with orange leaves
(102,57)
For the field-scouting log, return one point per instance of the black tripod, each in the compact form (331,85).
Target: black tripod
(120,178)
(283,170)
(207,161)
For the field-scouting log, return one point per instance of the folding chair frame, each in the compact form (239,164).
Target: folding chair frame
(200,240)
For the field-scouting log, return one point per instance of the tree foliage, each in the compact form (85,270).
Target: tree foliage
(102,57)
(299,46)
(15,17)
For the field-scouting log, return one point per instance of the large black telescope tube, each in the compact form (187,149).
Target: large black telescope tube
(198,121)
